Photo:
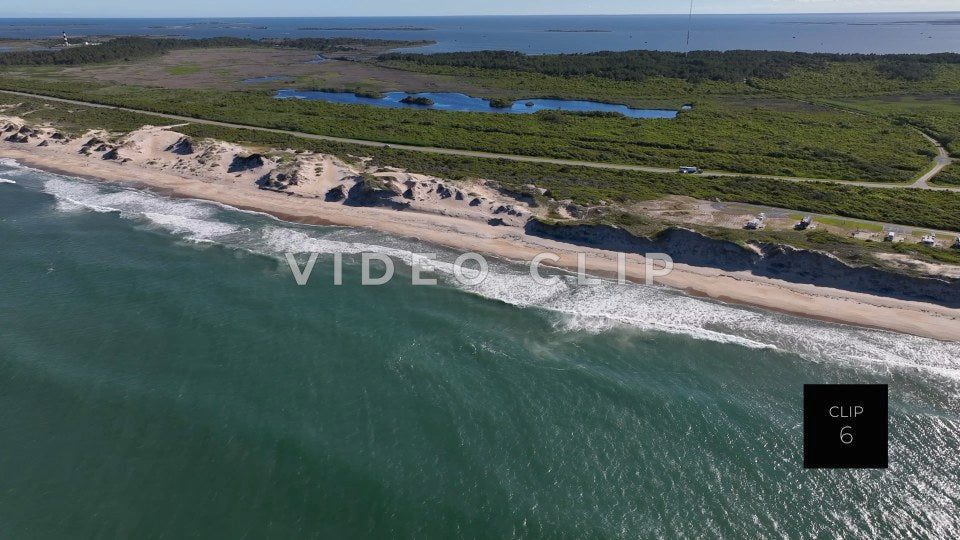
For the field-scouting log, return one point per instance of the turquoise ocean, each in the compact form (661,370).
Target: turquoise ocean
(163,376)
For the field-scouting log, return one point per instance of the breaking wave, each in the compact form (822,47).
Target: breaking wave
(587,308)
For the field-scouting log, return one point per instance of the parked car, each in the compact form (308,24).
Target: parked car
(758,222)
(690,170)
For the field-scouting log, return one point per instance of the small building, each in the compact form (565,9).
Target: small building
(929,240)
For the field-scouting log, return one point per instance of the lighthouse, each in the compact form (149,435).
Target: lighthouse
(66,43)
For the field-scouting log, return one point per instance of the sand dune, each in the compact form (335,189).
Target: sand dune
(468,216)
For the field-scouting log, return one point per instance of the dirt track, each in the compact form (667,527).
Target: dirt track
(941,160)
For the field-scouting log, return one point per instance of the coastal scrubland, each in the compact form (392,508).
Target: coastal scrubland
(948,176)
(740,120)
(747,137)
(937,114)
(695,66)
(835,117)
(611,193)
(927,208)
(131,48)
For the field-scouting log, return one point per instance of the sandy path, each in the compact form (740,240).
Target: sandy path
(942,160)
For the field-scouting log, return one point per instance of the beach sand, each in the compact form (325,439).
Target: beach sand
(436,221)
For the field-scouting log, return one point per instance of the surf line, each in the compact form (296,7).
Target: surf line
(654,264)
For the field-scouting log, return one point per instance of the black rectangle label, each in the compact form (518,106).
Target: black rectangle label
(845,426)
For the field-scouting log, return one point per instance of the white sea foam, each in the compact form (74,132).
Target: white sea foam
(193,219)
(597,308)
(194,229)
(7,181)
(591,308)
(71,195)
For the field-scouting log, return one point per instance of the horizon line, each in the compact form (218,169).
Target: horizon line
(480,15)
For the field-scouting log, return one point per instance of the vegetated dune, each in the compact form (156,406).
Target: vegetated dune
(481,216)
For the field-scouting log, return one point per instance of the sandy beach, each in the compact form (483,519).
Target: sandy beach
(148,159)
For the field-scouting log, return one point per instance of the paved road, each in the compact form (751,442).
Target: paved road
(473,153)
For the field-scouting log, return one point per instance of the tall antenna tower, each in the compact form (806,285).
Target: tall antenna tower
(689,26)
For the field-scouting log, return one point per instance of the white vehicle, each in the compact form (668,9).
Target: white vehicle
(758,222)
(690,170)
(890,237)
(804,223)
(956,242)
(929,240)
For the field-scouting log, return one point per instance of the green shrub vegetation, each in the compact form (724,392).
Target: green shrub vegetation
(651,92)
(846,79)
(731,137)
(923,208)
(417,100)
(920,251)
(694,66)
(132,48)
(792,114)
(77,119)
(948,176)
(937,115)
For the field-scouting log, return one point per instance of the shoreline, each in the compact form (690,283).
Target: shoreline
(511,243)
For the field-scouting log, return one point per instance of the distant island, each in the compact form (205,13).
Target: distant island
(417,100)
(575,30)
(370,29)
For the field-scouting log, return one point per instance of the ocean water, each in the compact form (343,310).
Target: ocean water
(162,375)
(849,33)
(450,101)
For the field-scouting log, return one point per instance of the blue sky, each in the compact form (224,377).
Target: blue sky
(308,8)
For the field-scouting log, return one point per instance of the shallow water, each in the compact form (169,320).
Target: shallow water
(448,101)
(161,374)
(850,32)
